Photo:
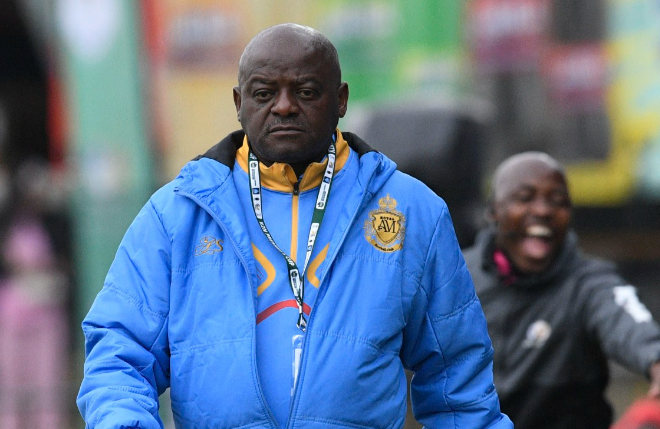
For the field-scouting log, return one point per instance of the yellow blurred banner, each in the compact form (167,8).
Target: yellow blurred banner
(195,49)
(633,104)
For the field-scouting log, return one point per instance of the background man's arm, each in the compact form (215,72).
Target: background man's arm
(623,325)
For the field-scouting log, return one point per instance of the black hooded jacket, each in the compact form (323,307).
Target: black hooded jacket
(554,332)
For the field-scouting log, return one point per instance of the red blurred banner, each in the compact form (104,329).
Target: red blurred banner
(576,76)
(507,35)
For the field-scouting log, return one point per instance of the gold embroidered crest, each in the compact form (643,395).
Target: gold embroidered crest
(385,228)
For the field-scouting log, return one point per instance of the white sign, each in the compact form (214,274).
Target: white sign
(89,27)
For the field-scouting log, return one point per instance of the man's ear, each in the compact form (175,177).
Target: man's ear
(237,101)
(342,93)
(489,213)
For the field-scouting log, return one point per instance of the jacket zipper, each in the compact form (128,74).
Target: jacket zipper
(295,220)
(294,399)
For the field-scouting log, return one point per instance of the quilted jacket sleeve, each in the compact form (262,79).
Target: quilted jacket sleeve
(127,357)
(615,316)
(447,344)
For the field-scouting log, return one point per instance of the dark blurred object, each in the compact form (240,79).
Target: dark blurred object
(439,144)
(17,62)
(642,414)
(23,131)
(579,21)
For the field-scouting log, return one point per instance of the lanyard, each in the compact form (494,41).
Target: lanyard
(296,277)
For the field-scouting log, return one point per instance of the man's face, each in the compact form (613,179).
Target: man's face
(532,212)
(289,102)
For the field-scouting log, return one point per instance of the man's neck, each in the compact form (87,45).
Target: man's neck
(299,168)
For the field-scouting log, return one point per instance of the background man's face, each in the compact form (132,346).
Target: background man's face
(289,103)
(532,212)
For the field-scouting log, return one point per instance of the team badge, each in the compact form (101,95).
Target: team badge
(537,334)
(385,228)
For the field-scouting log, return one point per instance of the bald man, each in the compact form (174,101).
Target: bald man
(288,276)
(554,314)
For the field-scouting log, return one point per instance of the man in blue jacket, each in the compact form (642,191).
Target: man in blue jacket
(288,276)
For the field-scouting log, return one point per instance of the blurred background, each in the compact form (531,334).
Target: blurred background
(103,101)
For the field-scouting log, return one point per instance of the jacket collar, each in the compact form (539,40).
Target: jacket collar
(281,177)
(225,150)
(208,174)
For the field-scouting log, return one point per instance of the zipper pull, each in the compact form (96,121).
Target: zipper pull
(297,341)
(296,188)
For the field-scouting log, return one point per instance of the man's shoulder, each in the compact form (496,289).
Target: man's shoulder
(482,278)
(356,143)
(225,150)
(416,191)
(595,272)
(198,178)
(387,177)
(472,255)
(212,167)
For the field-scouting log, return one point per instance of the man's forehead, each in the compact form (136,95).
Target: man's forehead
(282,59)
(274,78)
(279,54)
(280,43)
(271,68)
(527,173)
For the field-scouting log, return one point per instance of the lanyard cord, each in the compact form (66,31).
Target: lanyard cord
(296,277)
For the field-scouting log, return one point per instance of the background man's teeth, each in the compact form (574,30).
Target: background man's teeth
(539,231)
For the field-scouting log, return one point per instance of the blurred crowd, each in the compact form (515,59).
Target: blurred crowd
(35,297)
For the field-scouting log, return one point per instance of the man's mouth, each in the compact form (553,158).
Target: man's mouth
(537,242)
(539,231)
(284,129)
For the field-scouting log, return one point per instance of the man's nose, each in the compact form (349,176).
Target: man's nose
(541,207)
(285,104)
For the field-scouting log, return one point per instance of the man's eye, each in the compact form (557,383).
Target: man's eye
(560,200)
(523,197)
(262,94)
(307,93)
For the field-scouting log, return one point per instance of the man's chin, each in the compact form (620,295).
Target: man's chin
(534,265)
(287,156)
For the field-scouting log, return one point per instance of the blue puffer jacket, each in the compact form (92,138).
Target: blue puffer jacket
(388,300)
